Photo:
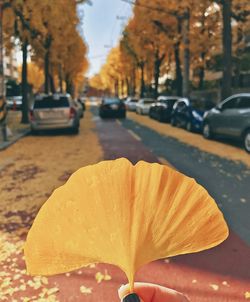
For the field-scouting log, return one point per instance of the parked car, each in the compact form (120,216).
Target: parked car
(79,107)
(57,111)
(112,107)
(188,113)
(161,110)
(131,103)
(143,106)
(82,101)
(230,119)
(14,102)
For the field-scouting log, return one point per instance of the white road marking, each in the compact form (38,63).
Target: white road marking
(134,135)
(163,161)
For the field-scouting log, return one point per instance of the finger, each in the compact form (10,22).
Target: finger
(153,293)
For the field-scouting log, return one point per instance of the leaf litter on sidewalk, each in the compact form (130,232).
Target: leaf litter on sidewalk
(36,166)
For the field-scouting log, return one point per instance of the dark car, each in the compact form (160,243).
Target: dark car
(189,114)
(112,108)
(230,119)
(161,110)
(82,101)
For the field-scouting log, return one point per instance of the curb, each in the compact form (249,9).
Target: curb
(5,145)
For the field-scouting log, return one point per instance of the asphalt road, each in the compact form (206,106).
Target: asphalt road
(227,181)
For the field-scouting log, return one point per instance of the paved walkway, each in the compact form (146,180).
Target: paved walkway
(15,130)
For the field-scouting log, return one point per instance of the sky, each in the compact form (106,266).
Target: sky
(102,29)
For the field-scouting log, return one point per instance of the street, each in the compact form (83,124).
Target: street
(34,166)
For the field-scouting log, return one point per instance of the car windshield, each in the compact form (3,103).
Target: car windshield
(148,101)
(111,101)
(50,102)
(201,104)
(169,102)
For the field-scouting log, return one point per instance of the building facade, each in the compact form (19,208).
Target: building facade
(10,65)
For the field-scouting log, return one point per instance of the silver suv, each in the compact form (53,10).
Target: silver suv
(230,118)
(56,111)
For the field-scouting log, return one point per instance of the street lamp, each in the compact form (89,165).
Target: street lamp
(3,110)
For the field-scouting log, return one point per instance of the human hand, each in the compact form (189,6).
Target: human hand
(147,292)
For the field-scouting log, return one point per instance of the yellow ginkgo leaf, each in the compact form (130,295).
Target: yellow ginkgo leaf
(117,213)
(247,295)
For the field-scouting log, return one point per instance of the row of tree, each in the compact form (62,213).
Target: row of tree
(48,30)
(172,38)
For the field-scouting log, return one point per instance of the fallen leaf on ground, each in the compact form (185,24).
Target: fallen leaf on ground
(85,290)
(225,283)
(102,277)
(214,286)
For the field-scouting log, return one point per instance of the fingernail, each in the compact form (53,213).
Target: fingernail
(131,298)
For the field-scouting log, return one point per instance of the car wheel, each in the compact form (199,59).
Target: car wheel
(161,118)
(75,130)
(207,132)
(173,122)
(34,132)
(189,126)
(123,115)
(246,140)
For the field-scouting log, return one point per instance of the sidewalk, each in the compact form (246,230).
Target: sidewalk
(17,130)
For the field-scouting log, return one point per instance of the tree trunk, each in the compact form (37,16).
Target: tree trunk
(116,88)
(227,49)
(52,83)
(46,72)
(128,88)
(68,84)
(25,104)
(186,59)
(142,89)
(122,88)
(236,77)
(202,72)
(60,78)
(2,80)
(133,82)
(178,71)
(157,65)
